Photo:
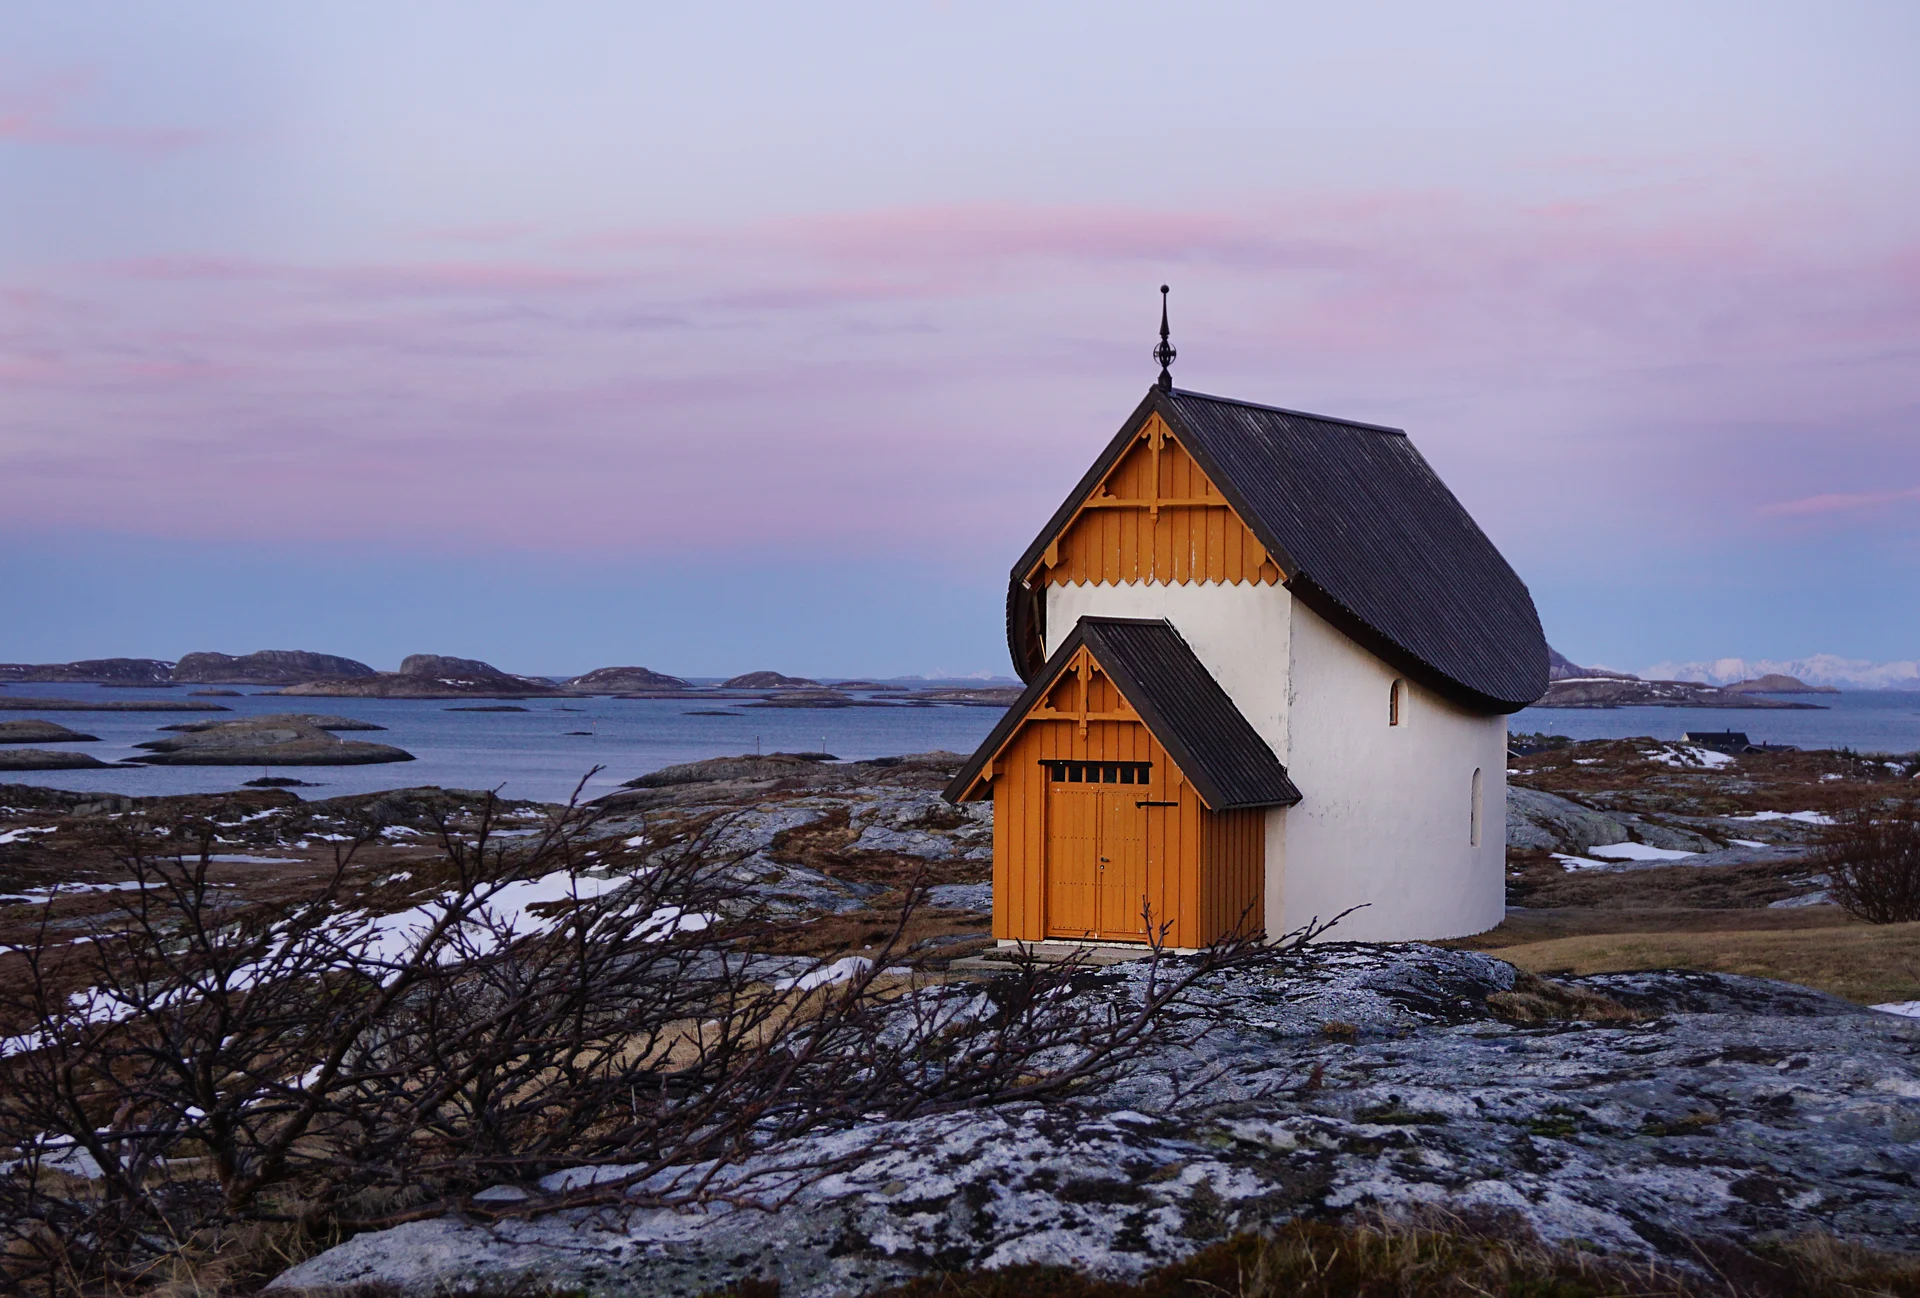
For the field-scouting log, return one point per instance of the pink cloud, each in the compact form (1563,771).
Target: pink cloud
(919,377)
(1839,503)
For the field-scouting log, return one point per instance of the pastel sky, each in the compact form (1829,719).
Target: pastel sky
(718,337)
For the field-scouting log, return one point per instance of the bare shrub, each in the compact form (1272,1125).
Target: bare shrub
(1871,854)
(193,1070)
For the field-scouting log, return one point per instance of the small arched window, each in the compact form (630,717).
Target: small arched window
(1473,813)
(1396,702)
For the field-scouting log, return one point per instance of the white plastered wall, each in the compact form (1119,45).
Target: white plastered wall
(1388,810)
(1386,816)
(1239,633)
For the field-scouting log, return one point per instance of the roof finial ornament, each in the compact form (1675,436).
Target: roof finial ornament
(1164,353)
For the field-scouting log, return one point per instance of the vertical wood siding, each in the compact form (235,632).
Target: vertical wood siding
(1205,871)
(1120,536)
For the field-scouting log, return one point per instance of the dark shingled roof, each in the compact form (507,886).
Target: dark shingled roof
(1180,702)
(1367,534)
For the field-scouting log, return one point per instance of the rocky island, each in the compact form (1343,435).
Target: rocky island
(286,739)
(266,667)
(42,732)
(1573,686)
(432,676)
(103,671)
(626,680)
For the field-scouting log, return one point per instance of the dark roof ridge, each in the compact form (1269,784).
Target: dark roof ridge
(1198,724)
(1298,414)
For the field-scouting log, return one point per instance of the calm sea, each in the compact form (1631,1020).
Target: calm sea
(523,754)
(532,754)
(1872,721)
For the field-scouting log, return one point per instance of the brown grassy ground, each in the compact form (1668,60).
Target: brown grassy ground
(1867,963)
(1714,918)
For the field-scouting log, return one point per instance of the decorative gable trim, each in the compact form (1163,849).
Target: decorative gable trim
(1154,678)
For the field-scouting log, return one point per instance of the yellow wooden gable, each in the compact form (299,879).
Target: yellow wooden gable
(1155,517)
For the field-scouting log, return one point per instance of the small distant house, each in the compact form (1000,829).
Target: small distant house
(1269,662)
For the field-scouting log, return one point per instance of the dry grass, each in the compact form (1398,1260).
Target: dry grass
(1524,926)
(1865,963)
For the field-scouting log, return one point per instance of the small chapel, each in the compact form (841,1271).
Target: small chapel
(1269,660)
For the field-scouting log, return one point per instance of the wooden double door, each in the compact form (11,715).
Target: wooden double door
(1097,862)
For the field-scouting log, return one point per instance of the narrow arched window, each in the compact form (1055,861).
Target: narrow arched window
(1395,702)
(1473,813)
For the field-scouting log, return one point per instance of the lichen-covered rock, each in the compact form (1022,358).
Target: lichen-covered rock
(1548,822)
(1346,1077)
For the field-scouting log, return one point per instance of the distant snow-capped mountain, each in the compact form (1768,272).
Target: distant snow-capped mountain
(1820,669)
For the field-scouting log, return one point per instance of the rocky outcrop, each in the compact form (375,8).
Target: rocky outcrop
(432,676)
(314,719)
(41,732)
(1613,692)
(768,681)
(1775,683)
(622,680)
(434,666)
(1636,1113)
(1547,822)
(46,759)
(104,671)
(265,741)
(266,667)
(1562,668)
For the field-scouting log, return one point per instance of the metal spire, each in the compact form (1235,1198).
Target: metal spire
(1164,353)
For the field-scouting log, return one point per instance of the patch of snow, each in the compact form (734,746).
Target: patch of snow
(1909,1009)
(240,858)
(1820,898)
(1748,842)
(842,970)
(1688,756)
(258,815)
(67,889)
(19,835)
(1639,852)
(1588,761)
(638,840)
(1830,776)
(502,917)
(1582,862)
(1802,817)
(668,920)
(63,1154)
